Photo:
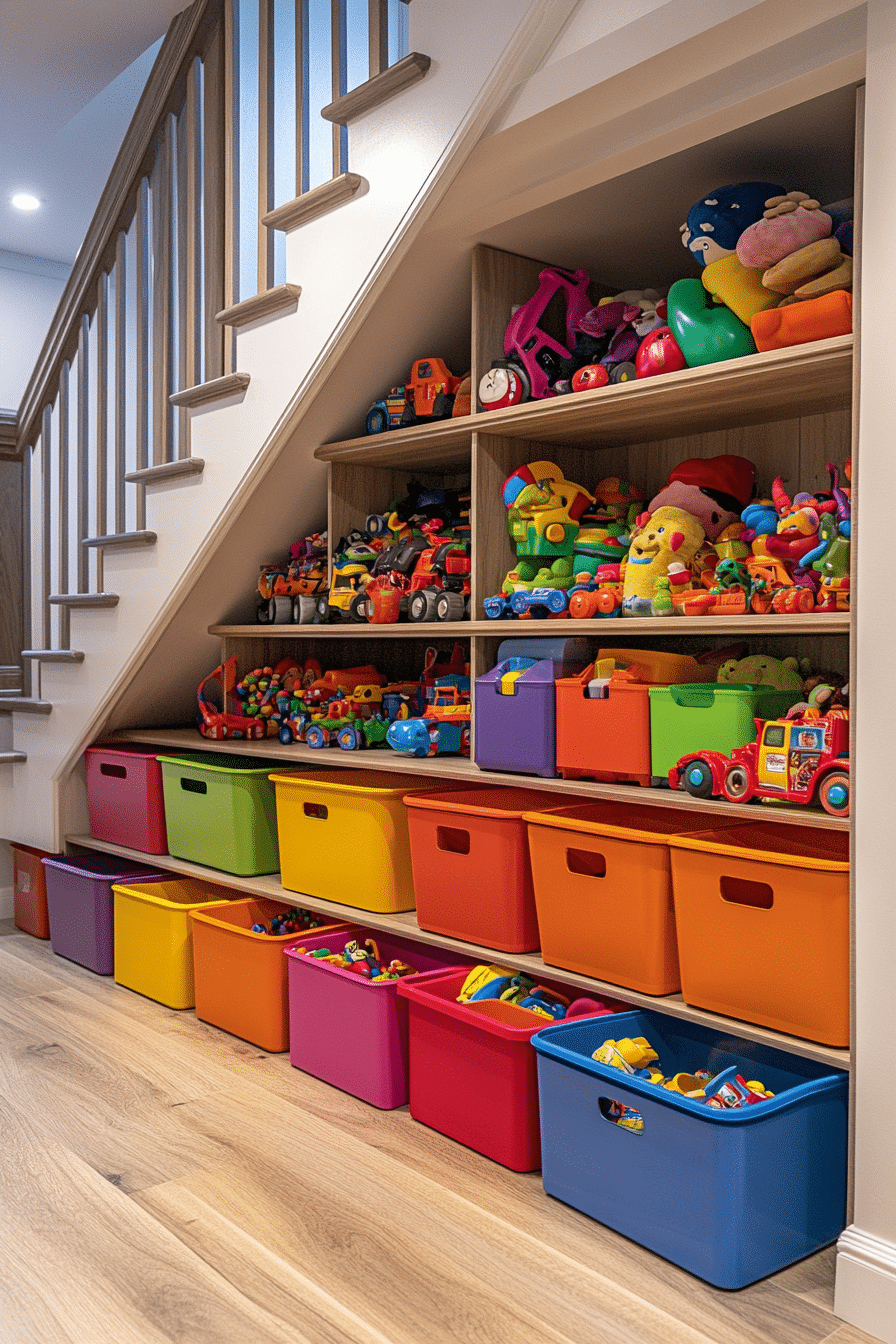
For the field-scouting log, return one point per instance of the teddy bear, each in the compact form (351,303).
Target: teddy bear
(759,669)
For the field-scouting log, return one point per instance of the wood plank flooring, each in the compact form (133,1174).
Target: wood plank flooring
(163,1181)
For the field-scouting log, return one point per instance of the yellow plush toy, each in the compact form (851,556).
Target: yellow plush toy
(670,536)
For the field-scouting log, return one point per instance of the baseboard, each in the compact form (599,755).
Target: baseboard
(7,895)
(865,1293)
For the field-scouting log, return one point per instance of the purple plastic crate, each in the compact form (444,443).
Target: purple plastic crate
(517,732)
(349,1031)
(80,905)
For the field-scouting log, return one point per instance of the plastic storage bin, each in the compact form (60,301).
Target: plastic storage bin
(344,837)
(124,797)
(219,811)
(470,857)
(153,936)
(708,718)
(603,722)
(729,1195)
(350,1031)
(30,889)
(603,891)
(81,904)
(240,976)
(473,1070)
(515,704)
(763,925)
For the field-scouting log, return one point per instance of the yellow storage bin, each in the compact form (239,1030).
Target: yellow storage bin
(153,936)
(344,836)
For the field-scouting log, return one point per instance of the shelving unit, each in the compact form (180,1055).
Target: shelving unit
(789,411)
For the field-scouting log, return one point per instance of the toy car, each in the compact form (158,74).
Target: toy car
(539,601)
(349,580)
(799,760)
(427,395)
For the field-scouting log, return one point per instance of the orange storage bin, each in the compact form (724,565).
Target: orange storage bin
(763,926)
(603,891)
(30,889)
(240,976)
(470,857)
(603,732)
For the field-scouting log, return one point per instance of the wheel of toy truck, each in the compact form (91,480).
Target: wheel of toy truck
(450,607)
(697,779)
(519,603)
(348,738)
(606,602)
(622,373)
(833,793)
(737,783)
(263,614)
(377,420)
(316,736)
(285,736)
(281,610)
(359,608)
(303,609)
(322,608)
(422,606)
(557,600)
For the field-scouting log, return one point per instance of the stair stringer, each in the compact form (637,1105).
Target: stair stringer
(144,658)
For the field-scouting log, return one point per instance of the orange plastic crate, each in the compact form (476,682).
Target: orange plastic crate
(763,926)
(241,976)
(470,856)
(603,891)
(30,889)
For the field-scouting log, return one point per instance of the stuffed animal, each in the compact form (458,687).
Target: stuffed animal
(788,223)
(759,669)
(715,223)
(670,536)
(714,490)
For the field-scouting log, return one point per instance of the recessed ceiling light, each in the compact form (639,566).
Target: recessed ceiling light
(23,200)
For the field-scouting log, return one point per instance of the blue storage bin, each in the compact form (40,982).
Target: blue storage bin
(729,1195)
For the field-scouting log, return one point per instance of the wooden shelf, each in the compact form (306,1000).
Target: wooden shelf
(809,623)
(777,385)
(460,770)
(406,925)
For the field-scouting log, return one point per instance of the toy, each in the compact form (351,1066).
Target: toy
(444,728)
(288,592)
(799,760)
(713,489)
(761,670)
(535,360)
(705,333)
(670,535)
(427,395)
(348,582)
(543,509)
(813,320)
(293,920)
(716,222)
(788,224)
(629,1054)
(222,717)
(659,352)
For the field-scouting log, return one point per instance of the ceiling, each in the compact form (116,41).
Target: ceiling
(71,74)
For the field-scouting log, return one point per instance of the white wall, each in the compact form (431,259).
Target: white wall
(30,289)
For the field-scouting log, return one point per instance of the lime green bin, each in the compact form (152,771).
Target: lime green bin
(220,811)
(708,716)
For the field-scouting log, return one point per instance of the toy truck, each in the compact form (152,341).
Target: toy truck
(443,729)
(799,760)
(428,394)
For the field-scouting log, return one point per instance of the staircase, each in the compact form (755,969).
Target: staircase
(168,432)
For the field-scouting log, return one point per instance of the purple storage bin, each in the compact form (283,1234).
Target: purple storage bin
(517,731)
(80,904)
(350,1031)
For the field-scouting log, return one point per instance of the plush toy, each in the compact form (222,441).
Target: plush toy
(705,332)
(715,223)
(670,536)
(713,489)
(788,223)
(761,670)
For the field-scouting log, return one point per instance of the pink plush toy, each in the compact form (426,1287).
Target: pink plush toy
(714,490)
(790,222)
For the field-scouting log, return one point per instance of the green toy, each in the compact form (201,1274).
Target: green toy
(705,333)
(759,669)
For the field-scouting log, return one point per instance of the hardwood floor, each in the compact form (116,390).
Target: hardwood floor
(163,1181)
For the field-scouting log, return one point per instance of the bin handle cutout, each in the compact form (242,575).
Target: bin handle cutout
(453,840)
(318,810)
(586,862)
(193,785)
(738,891)
(622,1116)
(117,771)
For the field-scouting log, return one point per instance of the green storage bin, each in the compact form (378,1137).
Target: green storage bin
(708,716)
(220,811)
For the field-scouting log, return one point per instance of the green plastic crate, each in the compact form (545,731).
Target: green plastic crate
(220,811)
(708,716)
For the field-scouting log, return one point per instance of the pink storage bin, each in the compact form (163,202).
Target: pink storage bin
(350,1031)
(124,797)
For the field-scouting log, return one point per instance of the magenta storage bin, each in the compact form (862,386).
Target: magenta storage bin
(80,905)
(347,1030)
(124,797)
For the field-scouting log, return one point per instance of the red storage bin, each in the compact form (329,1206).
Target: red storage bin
(124,797)
(470,857)
(472,1070)
(30,889)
